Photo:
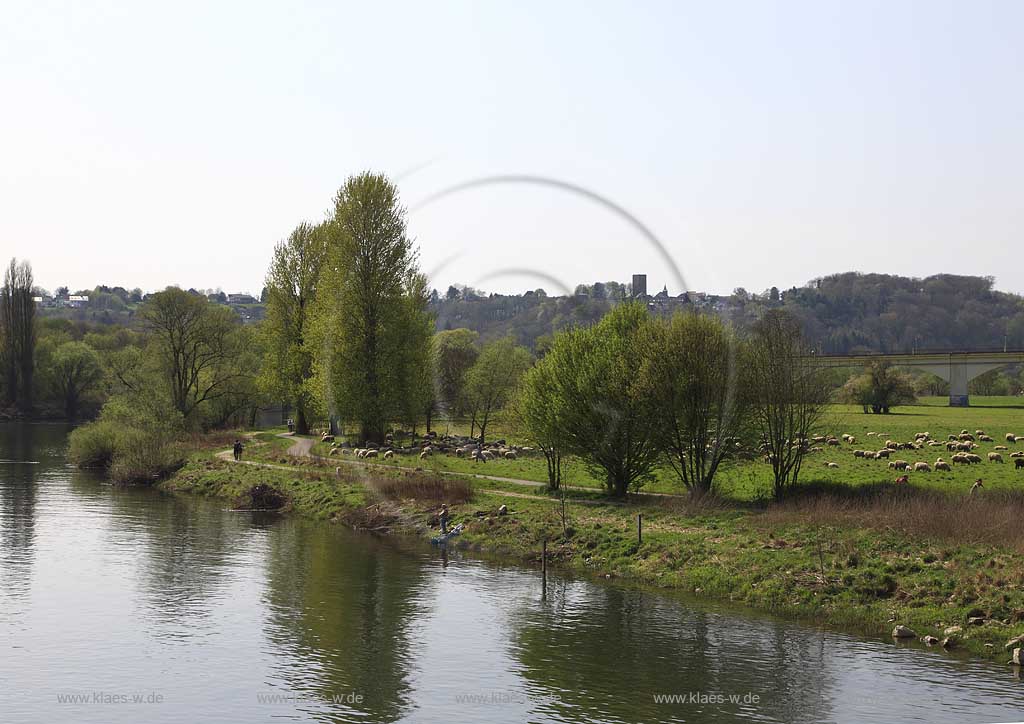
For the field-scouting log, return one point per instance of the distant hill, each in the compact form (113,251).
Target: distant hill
(841,313)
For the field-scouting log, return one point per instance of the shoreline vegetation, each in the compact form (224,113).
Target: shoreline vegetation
(866,558)
(753,485)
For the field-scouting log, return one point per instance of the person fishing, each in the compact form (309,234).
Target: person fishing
(444,517)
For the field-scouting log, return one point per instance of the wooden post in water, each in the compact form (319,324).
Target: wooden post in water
(639,528)
(544,569)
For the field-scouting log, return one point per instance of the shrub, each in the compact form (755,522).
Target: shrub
(93,445)
(143,456)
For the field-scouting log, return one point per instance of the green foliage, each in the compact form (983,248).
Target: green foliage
(291,288)
(879,389)
(692,378)
(17,336)
(138,444)
(453,352)
(535,416)
(373,328)
(602,415)
(73,372)
(788,394)
(93,445)
(192,351)
(493,378)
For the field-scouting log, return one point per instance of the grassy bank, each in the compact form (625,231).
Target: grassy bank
(863,557)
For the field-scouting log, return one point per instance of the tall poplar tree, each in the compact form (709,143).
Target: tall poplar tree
(374,342)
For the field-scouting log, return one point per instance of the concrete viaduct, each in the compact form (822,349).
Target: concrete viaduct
(957,368)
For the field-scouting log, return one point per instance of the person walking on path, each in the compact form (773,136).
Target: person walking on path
(238,449)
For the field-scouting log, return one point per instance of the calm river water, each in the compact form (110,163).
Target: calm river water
(129,605)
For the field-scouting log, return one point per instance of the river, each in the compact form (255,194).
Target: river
(126,605)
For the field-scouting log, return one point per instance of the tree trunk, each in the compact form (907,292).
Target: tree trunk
(301,420)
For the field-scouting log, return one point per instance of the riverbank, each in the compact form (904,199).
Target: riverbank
(904,557)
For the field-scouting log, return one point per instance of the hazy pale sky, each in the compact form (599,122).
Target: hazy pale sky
(154,143)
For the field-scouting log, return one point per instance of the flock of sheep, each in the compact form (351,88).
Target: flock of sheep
(460,446)
(962,446)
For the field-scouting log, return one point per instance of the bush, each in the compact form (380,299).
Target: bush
(93,445)
(143,456)
(132,454)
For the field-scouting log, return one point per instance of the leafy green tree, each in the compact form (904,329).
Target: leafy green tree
(880,388)
(74,371)
(194,345)
(454,352)
(291,288)
(493,378)
(17,335)
(535,409)
(374,329)
(602,415)
(692,370)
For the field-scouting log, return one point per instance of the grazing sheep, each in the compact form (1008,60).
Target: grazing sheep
(1018,463)
(370,453)
(424,454)
(346,451)
(831,465)
(892,444)
(972,458)
(964,446)
(858,453)
(1010,437)
(943,465)
(951,446)
(1018,438)
(985,438)
(1018,454)
(966,437)
(832,441)
(953,438)
(389,454)
(979,432)
(882,453)
(899,465)
(510,454)
(961,458)
(922,467)
(994,457)
(1000,447)
(871,434)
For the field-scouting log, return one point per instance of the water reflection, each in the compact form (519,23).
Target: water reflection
(339,617)
(18,493)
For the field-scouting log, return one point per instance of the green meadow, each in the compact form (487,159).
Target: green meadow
(746,481)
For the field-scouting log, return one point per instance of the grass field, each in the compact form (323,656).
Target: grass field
(749,481)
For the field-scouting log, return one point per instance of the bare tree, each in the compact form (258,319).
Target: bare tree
(789,394)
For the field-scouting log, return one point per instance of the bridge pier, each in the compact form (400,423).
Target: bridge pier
(958,374)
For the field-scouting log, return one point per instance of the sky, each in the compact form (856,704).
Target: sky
(760,144)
